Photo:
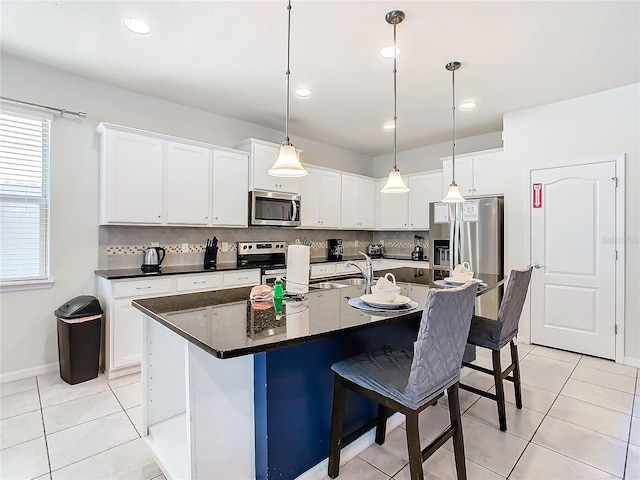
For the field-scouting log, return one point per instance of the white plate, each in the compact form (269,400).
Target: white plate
(370,299)
(458,282)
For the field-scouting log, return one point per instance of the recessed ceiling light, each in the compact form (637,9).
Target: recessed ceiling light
(467,105)
(303,92)
(389,52)
(389,125)
(136,26)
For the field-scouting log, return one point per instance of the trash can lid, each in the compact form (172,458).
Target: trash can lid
(82,306)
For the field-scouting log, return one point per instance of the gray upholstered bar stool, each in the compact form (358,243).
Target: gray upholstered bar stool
(495,334)
(409,382)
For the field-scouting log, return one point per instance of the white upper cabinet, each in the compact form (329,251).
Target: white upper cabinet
(480,173)
(148,178)
(262,157)
(320,198)
(230,199)
(187,193)
(131,178)
(358,202)
(424,188)
(392,208)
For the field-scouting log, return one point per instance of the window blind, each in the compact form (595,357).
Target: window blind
(24,197)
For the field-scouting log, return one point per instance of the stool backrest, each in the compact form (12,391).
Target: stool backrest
(443,333)
(512,303)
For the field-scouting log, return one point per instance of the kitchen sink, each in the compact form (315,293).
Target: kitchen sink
(351,281)
(329,285)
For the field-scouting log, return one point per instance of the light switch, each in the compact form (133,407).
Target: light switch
(155,244)
(185,248)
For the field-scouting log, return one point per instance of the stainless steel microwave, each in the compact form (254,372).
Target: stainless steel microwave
(276,209)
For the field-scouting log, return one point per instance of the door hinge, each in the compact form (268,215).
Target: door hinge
(615,179)
(616,328)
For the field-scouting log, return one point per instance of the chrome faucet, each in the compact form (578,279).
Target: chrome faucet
(367,272)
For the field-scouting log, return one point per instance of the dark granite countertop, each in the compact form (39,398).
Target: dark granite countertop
(121,273)
(225,323)
(346,258)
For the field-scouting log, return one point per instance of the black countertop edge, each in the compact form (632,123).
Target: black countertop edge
(122,273)
(289,342)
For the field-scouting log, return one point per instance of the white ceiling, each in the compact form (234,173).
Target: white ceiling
(229,57)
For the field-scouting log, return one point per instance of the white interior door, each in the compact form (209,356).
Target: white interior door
(573,233)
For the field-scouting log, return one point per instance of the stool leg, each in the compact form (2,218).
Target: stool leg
(413,444)
(381,427)
(337,417)
(516,373)
(456,423)
(497,378)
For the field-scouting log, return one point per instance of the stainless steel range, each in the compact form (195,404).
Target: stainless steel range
(268,256)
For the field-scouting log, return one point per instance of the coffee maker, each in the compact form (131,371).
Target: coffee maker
(418,249)
(335,249)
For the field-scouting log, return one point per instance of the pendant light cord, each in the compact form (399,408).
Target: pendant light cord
(395,102)
(286,121)
(453,109)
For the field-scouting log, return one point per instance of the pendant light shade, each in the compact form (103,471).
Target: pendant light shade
(287,164)
(453,195)
(395,184)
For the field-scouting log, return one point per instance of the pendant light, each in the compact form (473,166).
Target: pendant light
(453,195)
(287,164)
(394,182)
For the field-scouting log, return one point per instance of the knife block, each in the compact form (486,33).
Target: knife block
(210,257)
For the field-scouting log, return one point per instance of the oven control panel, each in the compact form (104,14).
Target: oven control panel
(261,248)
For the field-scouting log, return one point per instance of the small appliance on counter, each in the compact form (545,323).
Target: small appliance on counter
(211,253)
(335,248)
(375,250)
(152,259)
(418,249)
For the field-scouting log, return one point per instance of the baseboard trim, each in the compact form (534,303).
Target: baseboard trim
(632,362)
(28,372)
(319,471)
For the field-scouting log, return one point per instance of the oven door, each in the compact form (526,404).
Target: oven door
(274,208)
(269,275)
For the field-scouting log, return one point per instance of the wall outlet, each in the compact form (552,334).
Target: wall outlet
(357,244)
(185,248)
(155,244)
(381,242)
(225,246)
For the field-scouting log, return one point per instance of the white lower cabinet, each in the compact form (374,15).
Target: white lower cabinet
(123,322)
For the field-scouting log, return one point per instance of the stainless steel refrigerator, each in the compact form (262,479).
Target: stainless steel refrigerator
(470,232)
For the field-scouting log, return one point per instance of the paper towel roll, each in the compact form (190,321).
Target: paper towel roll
(297,280)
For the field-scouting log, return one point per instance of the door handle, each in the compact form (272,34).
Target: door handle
(537,265)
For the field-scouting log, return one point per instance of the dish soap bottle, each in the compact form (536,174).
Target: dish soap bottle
(278,294)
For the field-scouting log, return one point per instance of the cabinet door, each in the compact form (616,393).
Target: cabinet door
(230,201)
(263,158)
(366,203)
(126,334)
(330,199)
(310,201)
(350,213)
(464,175)
(423,189)
(187,184)
(393,209)
(488,173)
(133,186)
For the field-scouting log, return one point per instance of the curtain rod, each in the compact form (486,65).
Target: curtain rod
(61,111)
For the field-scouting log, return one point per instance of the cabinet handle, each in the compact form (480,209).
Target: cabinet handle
(200,282)
(243,278)
(143,288)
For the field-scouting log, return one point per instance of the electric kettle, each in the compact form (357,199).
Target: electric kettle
(152,259)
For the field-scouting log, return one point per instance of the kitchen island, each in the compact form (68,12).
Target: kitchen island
(233,391)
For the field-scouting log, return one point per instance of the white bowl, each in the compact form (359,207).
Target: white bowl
(386,294)
(462,276)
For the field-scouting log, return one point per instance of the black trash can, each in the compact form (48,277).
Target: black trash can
(79,330)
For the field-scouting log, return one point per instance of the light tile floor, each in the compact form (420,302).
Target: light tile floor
(581,420)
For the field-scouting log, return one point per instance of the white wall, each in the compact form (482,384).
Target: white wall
(428,158)
(606,123)
(28,329)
